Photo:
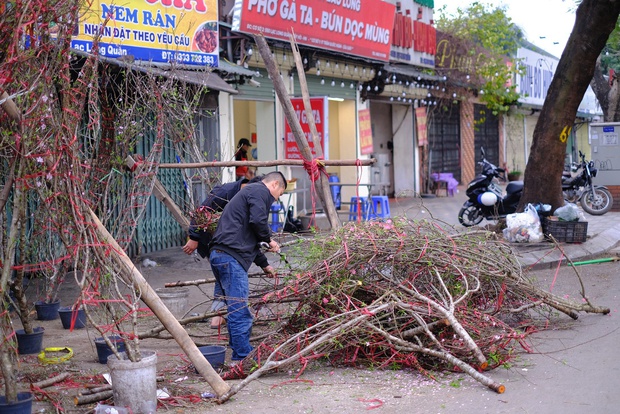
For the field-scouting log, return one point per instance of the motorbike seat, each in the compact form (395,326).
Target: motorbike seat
(514,187)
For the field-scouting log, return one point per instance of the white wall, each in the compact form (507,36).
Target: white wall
(405,156)
(227,134)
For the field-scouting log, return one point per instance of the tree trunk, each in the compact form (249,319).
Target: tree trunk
(595,20)
(607,92)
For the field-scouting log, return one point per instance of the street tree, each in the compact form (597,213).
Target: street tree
(605,80)
(494,40)
(595,20)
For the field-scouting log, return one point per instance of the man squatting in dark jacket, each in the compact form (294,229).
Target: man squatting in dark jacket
(199,240)
(243,225)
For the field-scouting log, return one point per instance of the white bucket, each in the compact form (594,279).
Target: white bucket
(175,299)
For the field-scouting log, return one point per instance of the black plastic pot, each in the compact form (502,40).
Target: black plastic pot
(67,315)
(47,311)
(104,351)
(30,343)
(22,406)
(215,354)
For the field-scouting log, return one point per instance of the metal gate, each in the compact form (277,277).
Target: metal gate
(157,229)
(486,133)
(444,137)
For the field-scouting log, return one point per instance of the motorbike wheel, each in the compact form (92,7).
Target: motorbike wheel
(470,215)
(597,201)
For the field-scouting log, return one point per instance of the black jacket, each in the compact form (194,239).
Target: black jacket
(217,199)
(244,223)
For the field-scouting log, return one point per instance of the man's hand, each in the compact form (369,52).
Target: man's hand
(190,246)
(274,247)
(269,270)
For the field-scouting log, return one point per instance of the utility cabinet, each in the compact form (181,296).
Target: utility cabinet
(605,152)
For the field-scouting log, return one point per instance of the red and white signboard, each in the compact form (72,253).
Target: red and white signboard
(355,27)
(365,129)
(319,112)
(420,116)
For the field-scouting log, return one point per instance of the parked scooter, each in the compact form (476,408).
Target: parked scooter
(577,185)
(485,196)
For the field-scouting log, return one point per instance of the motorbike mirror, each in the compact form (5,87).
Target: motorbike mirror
(482,152)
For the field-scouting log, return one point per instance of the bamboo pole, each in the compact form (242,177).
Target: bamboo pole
(330,208)
(293,122)
(263,163)
(153,301)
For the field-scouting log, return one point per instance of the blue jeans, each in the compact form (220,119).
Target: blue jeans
(233,279)
(218,298)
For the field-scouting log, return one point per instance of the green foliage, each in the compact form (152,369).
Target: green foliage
(610,56)
(491,28)
(497,39)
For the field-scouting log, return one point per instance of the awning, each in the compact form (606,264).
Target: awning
(226,66)
(408,71)
(201,76)
(196,77)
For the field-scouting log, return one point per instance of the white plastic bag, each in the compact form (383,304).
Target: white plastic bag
(568,212)
(524,227)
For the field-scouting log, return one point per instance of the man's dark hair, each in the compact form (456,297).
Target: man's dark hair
(275,176)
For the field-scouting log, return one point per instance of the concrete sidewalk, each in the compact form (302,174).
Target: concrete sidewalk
(603,231)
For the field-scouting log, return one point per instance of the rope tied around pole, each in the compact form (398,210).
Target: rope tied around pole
(315,167)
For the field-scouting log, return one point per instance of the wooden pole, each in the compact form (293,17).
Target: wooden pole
(328,202)
(218,164)
(293,122)
(133,277)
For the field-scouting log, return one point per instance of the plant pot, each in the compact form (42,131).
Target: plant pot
(29,343)
(175,299)
(47,311)
(69,317)
(23,405)
(134,384)
(215,354)
(104,351)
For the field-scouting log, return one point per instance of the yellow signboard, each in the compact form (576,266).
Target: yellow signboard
(181,31)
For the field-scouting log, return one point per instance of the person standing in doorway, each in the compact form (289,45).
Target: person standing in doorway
(243,225)
(242,155)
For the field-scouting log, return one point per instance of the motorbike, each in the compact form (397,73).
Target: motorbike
(486,198)
(577,185)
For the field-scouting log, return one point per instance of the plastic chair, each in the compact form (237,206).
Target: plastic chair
(363,203)
(276,207)
(379,207)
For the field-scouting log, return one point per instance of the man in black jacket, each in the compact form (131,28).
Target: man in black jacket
(199,240)
(243,225)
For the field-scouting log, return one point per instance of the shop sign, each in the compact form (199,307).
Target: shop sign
(420,117)
(536,75)
(365,129)
(355,27)
(181,31)
(319,113)
(414,38)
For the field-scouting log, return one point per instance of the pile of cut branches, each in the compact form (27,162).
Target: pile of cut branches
(406,293)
